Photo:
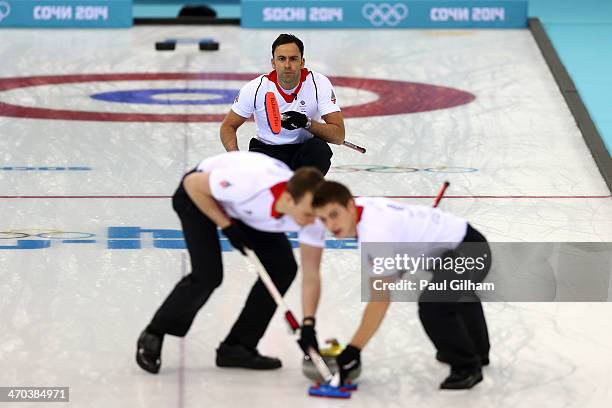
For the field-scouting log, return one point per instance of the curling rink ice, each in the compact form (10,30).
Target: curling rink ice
(77,285)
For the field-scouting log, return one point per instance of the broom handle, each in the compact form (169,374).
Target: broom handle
(316,358)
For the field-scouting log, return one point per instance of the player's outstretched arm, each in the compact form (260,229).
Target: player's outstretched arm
(311,281)
(372,318)
(311,289)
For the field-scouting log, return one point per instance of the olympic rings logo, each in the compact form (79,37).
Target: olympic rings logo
(44,234)
(5,10)
(385,13)
(374,168)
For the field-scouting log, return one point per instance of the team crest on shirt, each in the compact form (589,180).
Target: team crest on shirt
(333,96)
(302,102)
(225,184)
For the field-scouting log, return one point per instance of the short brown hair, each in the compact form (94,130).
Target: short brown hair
(330,192)
(304,180)
(288,39)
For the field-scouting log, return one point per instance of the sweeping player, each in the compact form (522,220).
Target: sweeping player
(307,101)
(254,199)
(456,327)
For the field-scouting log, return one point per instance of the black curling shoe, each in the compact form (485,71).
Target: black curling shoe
(148,352)
(241,356)
(462,379)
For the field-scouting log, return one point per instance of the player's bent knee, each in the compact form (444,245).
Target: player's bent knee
(318,146)
(205,283)
(283,277)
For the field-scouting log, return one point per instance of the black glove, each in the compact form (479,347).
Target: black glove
(237,238)
(348,360)
(292,120)
(308,336)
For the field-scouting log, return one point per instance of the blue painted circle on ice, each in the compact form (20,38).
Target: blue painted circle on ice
(150,96)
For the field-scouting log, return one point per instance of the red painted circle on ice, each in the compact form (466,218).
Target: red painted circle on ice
(394,97)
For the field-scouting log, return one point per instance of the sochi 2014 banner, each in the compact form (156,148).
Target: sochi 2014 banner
(66,13)
(384,14)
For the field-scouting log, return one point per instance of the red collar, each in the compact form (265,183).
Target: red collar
(272,76)
(359,212)
(276,191)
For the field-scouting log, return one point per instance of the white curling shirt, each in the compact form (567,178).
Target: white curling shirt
(384,220)
(247,185)
(314,97)
(402,225)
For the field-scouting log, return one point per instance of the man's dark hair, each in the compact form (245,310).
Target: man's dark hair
(288,39)
(330,192)
(304,180)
